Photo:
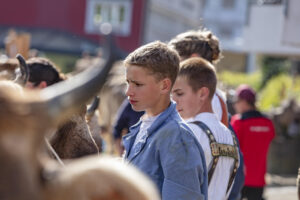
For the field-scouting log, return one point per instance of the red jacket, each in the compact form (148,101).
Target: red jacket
(255,133)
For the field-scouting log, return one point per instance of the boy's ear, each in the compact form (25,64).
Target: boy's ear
(42,85)
(166,85)
(203,93)
(194,55)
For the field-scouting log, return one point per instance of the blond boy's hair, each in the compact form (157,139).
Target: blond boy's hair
(157,58)
(199,73)
(201,42)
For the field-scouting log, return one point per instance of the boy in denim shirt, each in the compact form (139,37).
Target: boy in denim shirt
(161,144)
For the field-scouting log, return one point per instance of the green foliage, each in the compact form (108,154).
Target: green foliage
(276,90)
(273,66)
(64,61)
(234,79)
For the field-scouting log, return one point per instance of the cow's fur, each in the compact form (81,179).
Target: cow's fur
(73,138)
(27,173)
(112,95)
(95,129)
(101,179)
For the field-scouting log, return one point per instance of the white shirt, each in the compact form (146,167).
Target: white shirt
(146,123)
(216,104)
(219,182)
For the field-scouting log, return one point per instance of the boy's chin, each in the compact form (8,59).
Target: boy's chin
(185,116)
(137,109)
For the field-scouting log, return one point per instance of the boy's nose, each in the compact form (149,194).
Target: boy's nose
(173,97)
(128,91)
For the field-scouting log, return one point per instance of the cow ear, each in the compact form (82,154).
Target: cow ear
(100,178)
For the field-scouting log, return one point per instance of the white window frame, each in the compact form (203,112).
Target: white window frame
(121,28)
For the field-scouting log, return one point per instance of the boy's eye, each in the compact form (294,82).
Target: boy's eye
(178,94)
(138,84)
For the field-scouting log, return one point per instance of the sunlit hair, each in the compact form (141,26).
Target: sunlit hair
(199,73)
(201,42)
(158,58)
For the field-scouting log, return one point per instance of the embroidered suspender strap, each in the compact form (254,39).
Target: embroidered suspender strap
(236,162)
(224,119)
(212,142)
(218,149)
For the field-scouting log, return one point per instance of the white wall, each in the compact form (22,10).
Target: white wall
(264,33)
(226,23)
(167,18)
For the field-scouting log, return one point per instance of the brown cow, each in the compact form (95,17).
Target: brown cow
(92,118)
(72,138)
(27,173)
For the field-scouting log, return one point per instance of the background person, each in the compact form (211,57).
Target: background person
(255,133)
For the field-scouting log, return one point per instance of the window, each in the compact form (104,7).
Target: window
(264,2)
(116,12)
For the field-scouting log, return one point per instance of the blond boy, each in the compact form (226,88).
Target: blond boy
(193,92)
(161,144)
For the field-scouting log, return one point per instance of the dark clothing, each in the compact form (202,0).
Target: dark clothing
(125,119)
(298,183)
(252,193)
(239,180)
(255,133)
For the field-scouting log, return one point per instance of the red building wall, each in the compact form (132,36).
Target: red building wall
(65,15)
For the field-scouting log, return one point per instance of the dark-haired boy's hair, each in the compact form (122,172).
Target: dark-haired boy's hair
(41,69)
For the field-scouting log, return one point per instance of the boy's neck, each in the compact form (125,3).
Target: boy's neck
(206,108)
(159,107)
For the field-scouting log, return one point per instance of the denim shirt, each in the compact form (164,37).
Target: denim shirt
(170,155)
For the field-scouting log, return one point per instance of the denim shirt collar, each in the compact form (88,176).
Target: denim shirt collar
(128,140)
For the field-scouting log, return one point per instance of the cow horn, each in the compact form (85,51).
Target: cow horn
(24,76)
(91,109)
(64,97)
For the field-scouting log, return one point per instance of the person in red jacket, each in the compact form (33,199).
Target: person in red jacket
(255,133)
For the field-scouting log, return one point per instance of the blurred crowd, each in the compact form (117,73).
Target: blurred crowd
(161,109)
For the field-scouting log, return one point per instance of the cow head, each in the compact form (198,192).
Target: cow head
(25,118)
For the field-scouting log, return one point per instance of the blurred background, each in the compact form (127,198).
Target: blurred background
(260,41)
